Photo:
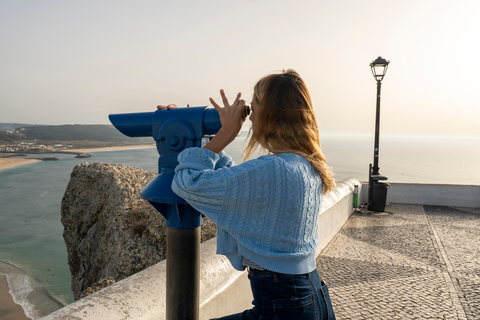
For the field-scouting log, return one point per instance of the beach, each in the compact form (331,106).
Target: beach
(9,310)
(13,162)
(17,161)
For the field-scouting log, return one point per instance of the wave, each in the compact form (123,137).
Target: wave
(34,299)
(20,286)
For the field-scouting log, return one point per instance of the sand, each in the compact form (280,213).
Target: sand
(9,310)
(12,162)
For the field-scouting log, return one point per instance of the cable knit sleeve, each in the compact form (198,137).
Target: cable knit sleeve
(224,161)
(199,180)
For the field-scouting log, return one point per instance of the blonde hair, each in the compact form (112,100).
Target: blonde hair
(286,123)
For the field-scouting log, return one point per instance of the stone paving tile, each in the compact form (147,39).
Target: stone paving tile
(416,262)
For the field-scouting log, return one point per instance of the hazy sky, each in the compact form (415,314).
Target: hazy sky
(78,61)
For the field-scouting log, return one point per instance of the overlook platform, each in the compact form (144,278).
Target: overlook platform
(411,262)
(420,259)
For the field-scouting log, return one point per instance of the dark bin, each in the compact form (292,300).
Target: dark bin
(379,196)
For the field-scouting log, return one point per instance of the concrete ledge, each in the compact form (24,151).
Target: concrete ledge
(450,195)
(223,290)
(140,296)
(220,285)
(435,194)
(337,206)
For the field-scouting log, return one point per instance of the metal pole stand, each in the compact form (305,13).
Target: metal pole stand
(183,249)
(183,273)
(175,130)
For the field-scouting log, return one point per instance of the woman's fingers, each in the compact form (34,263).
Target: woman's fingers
(170,106)
(237,99)
(215,105)
(238,106)
(226,104)
(224,99)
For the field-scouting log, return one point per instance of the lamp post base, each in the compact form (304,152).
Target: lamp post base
(377,192)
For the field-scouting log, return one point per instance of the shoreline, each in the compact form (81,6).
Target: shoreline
(14,162)
(9,310)
(6,163)
(140,146)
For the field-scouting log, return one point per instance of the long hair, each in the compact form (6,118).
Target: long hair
(286,123)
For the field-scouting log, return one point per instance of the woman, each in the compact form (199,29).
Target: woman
(266,209)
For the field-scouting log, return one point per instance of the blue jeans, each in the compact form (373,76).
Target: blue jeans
(282,296)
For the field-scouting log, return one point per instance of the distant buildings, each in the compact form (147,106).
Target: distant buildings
(24,146)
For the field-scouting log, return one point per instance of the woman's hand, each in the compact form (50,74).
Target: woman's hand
(231,117)
(170,106)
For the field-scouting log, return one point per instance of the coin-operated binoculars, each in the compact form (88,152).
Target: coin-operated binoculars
(175,130)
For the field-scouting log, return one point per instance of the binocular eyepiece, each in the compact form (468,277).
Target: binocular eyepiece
(246,112)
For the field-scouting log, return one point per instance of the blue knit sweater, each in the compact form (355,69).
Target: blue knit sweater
(265,209)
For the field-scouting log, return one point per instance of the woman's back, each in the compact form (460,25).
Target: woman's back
(266,209)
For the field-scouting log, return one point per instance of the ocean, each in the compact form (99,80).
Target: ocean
(32,251)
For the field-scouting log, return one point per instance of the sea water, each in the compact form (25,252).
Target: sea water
(411,159)
(33,255)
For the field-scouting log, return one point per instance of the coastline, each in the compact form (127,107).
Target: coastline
(13,162)
(140,146)
(9,310)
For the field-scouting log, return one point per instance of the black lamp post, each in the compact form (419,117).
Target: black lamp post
(377,192)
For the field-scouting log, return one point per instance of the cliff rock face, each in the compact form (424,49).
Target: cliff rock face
(109,231)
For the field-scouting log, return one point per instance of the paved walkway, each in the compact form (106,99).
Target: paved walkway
(416,262)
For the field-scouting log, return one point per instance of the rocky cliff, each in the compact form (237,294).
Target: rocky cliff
(109,231)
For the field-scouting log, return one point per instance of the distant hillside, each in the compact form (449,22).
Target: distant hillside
(6,126)
(101,133)
(73,132)
(6,137)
